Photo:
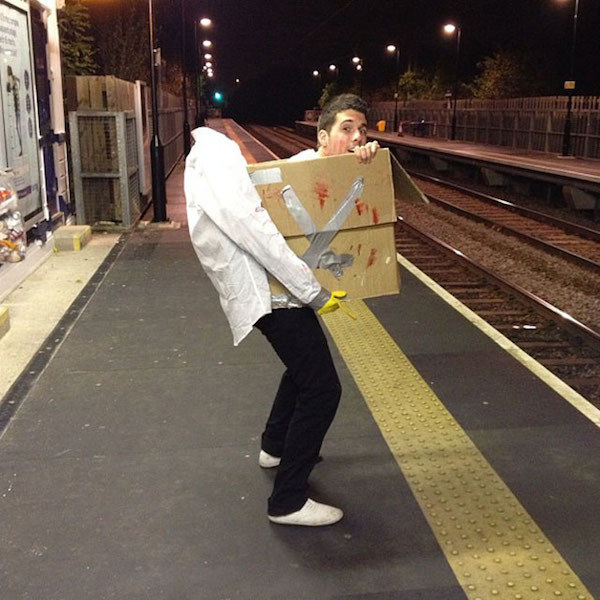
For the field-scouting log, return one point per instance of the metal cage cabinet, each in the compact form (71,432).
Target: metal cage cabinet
(105,167)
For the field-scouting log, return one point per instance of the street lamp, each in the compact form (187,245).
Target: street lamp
(317,75)
(570,86)
(205,23)
(186,124)
(451,29)
(333,69)
(157,153)
(358,65)
(395,49)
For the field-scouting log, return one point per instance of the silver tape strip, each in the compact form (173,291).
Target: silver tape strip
(297,210)
(266,176)
(319,242)
(285,301)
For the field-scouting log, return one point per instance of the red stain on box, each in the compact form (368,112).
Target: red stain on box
(322,192)
(375,216)
(372,257)
(361,207)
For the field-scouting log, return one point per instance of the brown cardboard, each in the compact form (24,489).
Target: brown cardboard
(368,232)
(321,184)
(374,271)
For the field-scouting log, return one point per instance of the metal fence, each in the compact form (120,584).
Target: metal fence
(170,123)
(105,167)
(88,99)
(525,123)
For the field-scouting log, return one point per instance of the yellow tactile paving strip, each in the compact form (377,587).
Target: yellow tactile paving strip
(231,134)
(493,546)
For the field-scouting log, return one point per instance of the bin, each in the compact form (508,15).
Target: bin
(381,125)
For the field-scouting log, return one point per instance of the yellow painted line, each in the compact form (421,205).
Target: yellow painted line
(493,546)
(560,387)
(233,135)
(4,320)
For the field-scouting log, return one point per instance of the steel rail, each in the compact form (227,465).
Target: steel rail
(541,306)
(568,226)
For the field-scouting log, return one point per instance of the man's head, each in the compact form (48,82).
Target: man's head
(342,125)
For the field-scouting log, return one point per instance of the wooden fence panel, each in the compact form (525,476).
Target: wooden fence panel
(527,123)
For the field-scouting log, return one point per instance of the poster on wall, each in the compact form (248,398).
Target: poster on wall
(18,114)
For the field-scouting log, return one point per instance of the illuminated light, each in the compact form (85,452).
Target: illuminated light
(205,22)
(218,96)
(237,79)
(207,56)
(210,74)
(209,64)
(207,43)
(316,73)
(359,67)
(391,48)
(356,60)
(332,67)
(449,28)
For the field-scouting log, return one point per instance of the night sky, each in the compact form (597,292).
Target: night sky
(273,45)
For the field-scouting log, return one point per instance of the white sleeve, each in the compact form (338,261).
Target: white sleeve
(235,208)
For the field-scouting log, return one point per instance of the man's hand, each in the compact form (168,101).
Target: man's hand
(334,303)
(365,154)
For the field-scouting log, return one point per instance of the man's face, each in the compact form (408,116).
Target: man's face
(348,131)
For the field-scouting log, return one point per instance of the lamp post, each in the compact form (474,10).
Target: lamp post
(358,65)
(157,154)
(186,124)
(317,75)
(451,29)
(566,149)
(204,22)
(395,49)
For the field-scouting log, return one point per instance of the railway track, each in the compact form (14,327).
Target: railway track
(281,140)
(578,244)
(568,348)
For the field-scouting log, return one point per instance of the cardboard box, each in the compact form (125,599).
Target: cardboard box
(367,233)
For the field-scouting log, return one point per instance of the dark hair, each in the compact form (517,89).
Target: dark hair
(338,104)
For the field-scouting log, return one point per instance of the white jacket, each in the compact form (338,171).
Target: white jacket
(234,237)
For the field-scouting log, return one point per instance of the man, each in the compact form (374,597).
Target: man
(342,128)
(237,243)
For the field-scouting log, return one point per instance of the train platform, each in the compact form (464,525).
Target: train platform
(553,167)
(129,446)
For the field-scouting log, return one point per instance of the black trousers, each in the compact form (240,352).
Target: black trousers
(305,404)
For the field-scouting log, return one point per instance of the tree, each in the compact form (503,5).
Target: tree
(505,75)
(123,44)
(76,43)
(419,85)
(329,91)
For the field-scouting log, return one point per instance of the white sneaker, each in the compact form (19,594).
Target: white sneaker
(312,514)
(266,461)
